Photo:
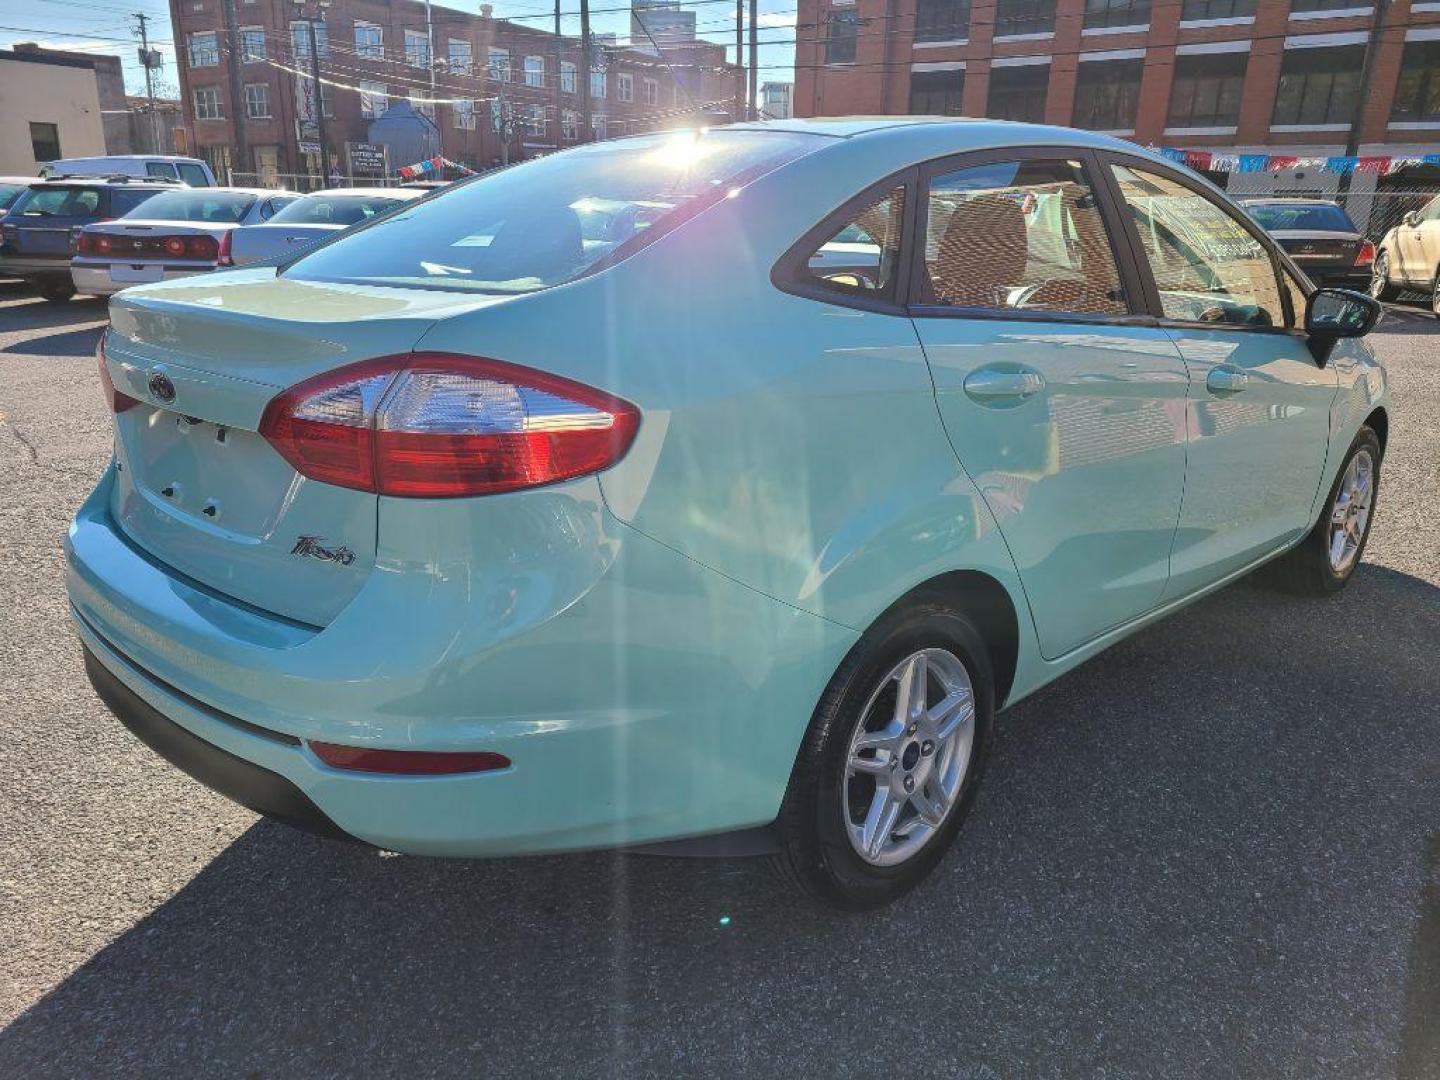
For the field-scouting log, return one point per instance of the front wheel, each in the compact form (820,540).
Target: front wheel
(1326,559)
(1380,287)
(890,764)
(1435,294)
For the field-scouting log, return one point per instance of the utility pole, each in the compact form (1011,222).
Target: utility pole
(750,110)
(145,59)
(319,101)
(431,62)
(587,126)
(559,81)
(237,92)
(1362,96)
(740,111)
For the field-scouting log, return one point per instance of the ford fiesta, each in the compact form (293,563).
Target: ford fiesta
(717,485)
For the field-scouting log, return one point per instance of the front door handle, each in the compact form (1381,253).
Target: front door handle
(990,386)
(1227,380)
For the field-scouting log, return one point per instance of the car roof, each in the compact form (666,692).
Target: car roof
(365,192)
(108,181)
(1290,200)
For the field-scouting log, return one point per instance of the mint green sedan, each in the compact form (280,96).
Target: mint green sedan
(706,492)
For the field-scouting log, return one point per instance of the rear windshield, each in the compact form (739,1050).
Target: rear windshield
(220,207)
(60,202)
(334,209)
(551,220)
(1279,216)
(9,193)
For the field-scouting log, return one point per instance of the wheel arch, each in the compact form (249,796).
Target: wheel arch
(1379,422)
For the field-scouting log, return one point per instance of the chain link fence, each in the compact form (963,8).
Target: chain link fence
(1377,212)
(306,182)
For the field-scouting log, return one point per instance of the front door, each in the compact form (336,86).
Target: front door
(1259,405)
(1067,412)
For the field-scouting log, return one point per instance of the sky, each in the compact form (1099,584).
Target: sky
(107,26)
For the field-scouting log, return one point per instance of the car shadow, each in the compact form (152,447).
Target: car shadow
(1206,852)
(32,313)
(68,343)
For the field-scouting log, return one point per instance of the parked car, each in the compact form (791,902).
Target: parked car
(187,170)
(37,236)
(315,217)
(424,185)
(1409,256)
(176,234)
(1320,237)
(11,188)
(470,533)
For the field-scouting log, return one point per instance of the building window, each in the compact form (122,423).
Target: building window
(625,86)
(1100,14)
(1206,91)
(932,93)
(841,36)
(44,141)
(533,120)
(942,20)
(417,48)
(597,85)
(1318,86)
(570,124)
(1417,96)
(369,40)
(1018,93)
(567,77)
(207,103)
(460,56)
(1024,17)
(420,105)
(204,49)
(374,98)
(1200,10)
(1107,94)
(534,71)
(463,111)
(651,89)
(1322,5)
(598,125)
(500,65)
(257,101)
(300,39)
(252,44)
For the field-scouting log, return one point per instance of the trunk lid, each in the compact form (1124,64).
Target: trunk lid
(1319,248)
(255,242)
(199,489)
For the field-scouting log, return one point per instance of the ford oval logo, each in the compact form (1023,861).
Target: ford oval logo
(161,388)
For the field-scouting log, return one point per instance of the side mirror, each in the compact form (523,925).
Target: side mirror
(1411,218)
(1333,314)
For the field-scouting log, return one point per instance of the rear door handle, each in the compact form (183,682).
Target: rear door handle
(989,386)
(1226,380)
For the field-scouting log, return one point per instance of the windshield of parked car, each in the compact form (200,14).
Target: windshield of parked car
(1320,216)
(219,207)
(9,193)
(334,209)
(58,202)
(551,220)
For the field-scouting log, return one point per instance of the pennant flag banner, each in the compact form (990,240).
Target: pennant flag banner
(1205,161)
(433,165)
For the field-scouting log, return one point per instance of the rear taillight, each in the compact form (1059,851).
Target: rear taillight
(95,244)
(222,256)
(191,247)
(432,425)
(117,401)
(1367,254)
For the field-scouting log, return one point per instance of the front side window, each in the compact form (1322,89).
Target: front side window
(207,103)
(1024,17)
(551,219)
(1019,236)
(860,257)
(1018,93)
(193,174)
(937,93)
(1207,265)
(1201,10)
(942,20)
(1417,95)
(1206,90)
(204,49)
(1102,14)
(842,33)
(1107,95)
(1318,85)
(333,209)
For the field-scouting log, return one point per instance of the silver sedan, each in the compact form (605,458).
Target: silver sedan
(314,217)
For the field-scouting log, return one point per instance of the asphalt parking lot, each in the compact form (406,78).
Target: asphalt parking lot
(1213,851)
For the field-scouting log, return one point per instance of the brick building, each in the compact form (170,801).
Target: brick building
(486,71)
(1232,76)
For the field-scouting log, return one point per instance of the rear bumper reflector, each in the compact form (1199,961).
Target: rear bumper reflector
(408,762)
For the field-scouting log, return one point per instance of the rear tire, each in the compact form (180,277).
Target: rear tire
(1435,293)
(840,841)
(1380,287)
(1325,560)
(55,292)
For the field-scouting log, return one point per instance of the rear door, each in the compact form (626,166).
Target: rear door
(1064,404)
(43,225)
(1258,416)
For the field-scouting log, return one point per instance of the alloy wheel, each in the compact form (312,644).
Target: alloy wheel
(1350,513)
(907,760)
(1379,276)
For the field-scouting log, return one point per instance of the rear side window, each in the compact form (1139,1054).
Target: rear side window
(1207,265)
(332,210)
(553,219)
(193,175)
(160,168)
(1019,235)
(61,202)
(861,257)
(9,193)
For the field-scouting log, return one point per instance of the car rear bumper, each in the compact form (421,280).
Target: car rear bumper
(33,266)
(660,700)
(1339,277)
(97,280)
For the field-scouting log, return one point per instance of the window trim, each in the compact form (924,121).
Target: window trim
(1141,263)
(1140,313)
(790,272)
